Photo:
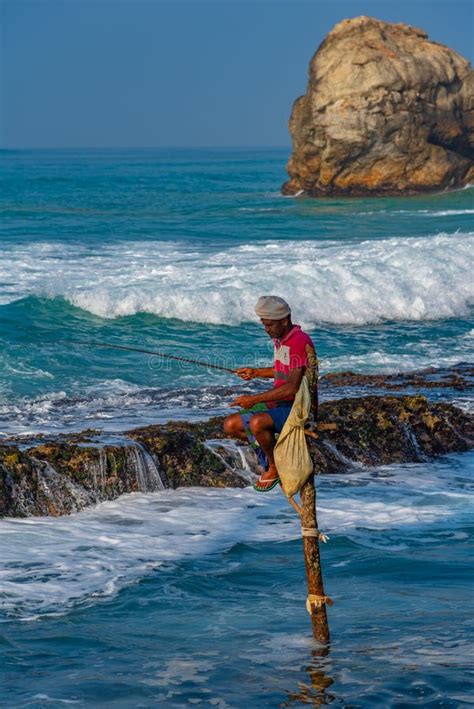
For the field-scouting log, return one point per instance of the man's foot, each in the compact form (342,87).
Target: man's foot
(267,480)
(271,472)
(265,485)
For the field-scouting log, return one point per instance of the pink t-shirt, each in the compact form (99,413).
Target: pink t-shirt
(291,353)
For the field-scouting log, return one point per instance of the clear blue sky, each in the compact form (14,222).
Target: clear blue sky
(137,73)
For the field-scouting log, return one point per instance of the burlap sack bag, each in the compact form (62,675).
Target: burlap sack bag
(292,457)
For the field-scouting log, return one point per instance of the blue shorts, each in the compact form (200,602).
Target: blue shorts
(279,414)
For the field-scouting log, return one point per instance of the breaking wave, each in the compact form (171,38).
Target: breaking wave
(327,281)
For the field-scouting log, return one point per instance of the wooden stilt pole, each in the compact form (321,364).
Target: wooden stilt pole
(317,599)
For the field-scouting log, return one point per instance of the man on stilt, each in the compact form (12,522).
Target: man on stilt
(263,415)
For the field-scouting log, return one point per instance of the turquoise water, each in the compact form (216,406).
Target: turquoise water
(197,596)
(169,250)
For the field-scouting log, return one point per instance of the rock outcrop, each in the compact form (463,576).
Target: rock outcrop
(387,111)
(457,378)
(64,475)
(60,476)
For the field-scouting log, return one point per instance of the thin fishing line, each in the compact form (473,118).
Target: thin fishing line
(153,352)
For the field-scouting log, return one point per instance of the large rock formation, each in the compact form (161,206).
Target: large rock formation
(387,111)
(61,476)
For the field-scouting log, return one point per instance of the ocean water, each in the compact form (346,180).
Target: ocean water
(197,596)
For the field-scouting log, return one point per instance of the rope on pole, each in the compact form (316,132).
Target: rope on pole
(317,601)
(313,532)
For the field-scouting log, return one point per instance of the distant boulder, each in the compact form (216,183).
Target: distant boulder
(386,111)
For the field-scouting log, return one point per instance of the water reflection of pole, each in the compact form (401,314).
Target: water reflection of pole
(315,692)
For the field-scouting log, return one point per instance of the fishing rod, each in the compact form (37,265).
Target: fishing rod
(153,352)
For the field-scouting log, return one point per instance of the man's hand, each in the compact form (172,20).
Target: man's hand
(246,373)
(244,402)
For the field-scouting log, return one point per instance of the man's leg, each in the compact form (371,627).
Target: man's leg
(263,429)
(234,427)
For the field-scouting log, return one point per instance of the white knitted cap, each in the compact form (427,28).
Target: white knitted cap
(272,307)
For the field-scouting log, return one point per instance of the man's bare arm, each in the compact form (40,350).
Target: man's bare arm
(285,391)
(248,373)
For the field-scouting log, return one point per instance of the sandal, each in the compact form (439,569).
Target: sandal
(269,484)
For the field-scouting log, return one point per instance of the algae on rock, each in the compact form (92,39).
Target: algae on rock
(62,476)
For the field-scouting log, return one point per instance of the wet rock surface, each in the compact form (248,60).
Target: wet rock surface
(63,474)
(390,429)
(386,111)
(183,457)
(458,379)
(60,477)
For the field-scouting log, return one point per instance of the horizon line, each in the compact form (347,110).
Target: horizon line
(148,147)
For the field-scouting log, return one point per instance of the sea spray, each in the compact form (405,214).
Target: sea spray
(99,551)
(348,283)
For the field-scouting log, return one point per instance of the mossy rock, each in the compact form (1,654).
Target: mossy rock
(64,475)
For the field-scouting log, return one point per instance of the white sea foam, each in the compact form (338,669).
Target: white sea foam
(423,212)
(50,564)
(448,212)
(444,351)
(342,283)
(110,405)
